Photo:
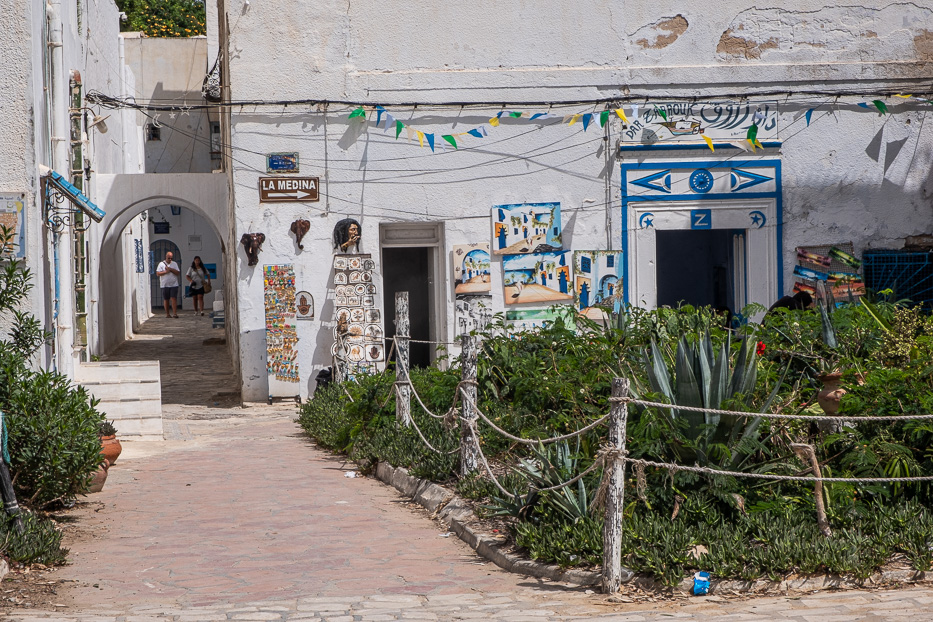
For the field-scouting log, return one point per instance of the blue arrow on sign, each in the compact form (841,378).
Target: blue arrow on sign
(751,179)
(645,182)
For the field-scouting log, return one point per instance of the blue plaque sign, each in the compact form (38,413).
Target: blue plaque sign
(282,163)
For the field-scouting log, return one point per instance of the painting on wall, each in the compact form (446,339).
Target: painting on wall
(472,313)
(472,269)
(526,228)
(533,319)
(597,286)
(537,277)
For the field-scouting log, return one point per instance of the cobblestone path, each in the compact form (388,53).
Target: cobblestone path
(238,516)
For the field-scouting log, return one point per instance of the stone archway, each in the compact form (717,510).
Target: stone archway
(123,198)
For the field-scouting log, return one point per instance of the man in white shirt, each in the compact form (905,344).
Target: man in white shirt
(168,272)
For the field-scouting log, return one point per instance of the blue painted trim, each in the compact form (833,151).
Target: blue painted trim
(77,197)
(777,195)
(690,146)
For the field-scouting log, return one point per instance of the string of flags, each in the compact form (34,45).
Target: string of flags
(387,121)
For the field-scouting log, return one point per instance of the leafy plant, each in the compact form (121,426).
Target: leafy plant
(107,429)
(39,541)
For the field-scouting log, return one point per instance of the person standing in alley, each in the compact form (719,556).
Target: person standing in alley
(198,277)
(169,272)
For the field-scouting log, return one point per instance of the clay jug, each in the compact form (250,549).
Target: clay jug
(831,393)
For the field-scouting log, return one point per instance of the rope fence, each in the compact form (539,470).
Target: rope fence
(612,457)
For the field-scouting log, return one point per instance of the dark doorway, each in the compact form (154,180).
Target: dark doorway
(159,248)
(695,267)
(408,269)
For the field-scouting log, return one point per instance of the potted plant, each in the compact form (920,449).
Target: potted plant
(832,391)
(99,477)
(110,447)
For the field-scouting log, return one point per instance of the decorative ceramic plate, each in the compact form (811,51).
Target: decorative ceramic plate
(370,289)
(374,332)
(355,263)
(340,278)
(355,277)
(356,329)
(340,263)
(369,301)
(374,352)
(360,289)
(341,300)
(353,301)
(366,277)
(369,264)
(357,315)
(356,353)
(373,316)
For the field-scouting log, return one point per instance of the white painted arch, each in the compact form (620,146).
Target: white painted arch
(123,198)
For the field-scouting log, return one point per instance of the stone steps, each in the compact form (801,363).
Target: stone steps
(130,394)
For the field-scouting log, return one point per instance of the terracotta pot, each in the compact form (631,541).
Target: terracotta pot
(100,476)
(110,448)
(831,393)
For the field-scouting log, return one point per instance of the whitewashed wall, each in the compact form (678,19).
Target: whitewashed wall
(836,185)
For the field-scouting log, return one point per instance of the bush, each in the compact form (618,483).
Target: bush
(40,541)
(54,442)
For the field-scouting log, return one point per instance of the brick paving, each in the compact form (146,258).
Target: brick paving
(238,516)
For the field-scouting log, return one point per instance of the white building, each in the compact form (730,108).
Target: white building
(416,119)
(707,226)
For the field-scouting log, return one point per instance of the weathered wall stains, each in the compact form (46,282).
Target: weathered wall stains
(850,33)
(734,45)
(923,43)
(662,33)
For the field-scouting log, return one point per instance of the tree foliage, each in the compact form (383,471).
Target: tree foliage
(164,18)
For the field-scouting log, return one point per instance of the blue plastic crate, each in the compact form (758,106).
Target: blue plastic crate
(909,274)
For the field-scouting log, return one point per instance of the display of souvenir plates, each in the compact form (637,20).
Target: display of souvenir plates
(355,330)
(368,301)
(356,353)
(373,316)
(360,289)
(354,277)
(357,315)
(366,277)
(369,264)
(340,263)
(341,300)
(355,263)
(340,278)
(374,352)
(374,332)
(353,301)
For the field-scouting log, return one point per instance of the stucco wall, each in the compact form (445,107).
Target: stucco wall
(849,174)
(169,71)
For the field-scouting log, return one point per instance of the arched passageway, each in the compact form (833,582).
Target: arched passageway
(188,361)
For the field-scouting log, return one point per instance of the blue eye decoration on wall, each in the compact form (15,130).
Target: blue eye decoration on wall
(701,181)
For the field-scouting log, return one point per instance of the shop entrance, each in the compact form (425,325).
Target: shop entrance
(407,270)
(412,261)
(696,267)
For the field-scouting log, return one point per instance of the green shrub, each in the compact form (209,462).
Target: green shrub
(40,541)
(54,443)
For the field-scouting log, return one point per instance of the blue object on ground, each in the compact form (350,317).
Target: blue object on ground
(700,583)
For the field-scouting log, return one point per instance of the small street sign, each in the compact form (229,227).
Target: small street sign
(282,163)
(288,189)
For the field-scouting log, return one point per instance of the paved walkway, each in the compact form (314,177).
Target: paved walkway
(239,516)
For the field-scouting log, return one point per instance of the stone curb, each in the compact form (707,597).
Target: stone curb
(457,513)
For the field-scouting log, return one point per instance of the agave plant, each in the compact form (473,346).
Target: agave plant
(706,378)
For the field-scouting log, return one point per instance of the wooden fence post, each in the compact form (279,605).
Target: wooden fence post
(614,470)
(469,444)
(402,361)
(808,454)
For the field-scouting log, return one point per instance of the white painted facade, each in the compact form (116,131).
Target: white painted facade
(846,174)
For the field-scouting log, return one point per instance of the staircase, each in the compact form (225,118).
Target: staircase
(130,394)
